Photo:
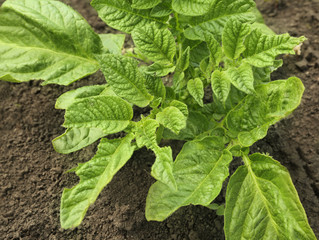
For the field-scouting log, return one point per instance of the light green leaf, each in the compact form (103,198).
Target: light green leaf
(146,133)
(242,78)
(113,42)
(215,20)
(199,170)
(120,15)
(156,44)
(273,101)
(233,38)
(145,4)
(191,7)
(262,49)
(155,86)
(195,88)
(108,113)
(215,49)
(162,169)
(262,203)
(160,70)
(183,61)
(172,118)
(94,176)
(162,10)
(44,40)
(123,75)
(76,138)
(67,98)
(181,106)
(220,85)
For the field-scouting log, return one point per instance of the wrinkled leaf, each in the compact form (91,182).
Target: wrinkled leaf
(146,133)
(172,118)
(113,42)
(191,7)
(195,88)
(144,4)
(221,85)
(242,78)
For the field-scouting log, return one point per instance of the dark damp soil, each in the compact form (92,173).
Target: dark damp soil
(32,173)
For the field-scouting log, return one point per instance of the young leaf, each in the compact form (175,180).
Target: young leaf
(146,133)
(221,85)
(215,50)
(124,77)
(113,42)
(68,98)
(181,106)
(76,138)
(191,7)
(251,119)
(262,49)
(200,170)
(195,88)
(214,21)
(94,176)
(262,203)
(156,44)
(120,15)
(172,118)
(144,4)
(58,47)
(242,78)
(108,113)
(233,38)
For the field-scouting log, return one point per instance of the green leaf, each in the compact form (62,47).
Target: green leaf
(198,53)
(195,88)
(160,70)
(144,4)
(42,46)
(155,86)
(251,118)
(113,42)
(242,78)
(183,61)
(220,85)
(233,38)
(215,50)
(162,169)
(191,7)
(76,138)
(162,10)
(111,114)
(94,176)
(123,75)
(215,20)
(68,98)
(172,118)
(262,203)
(181,106)
(120,15)
(262,49)
(156,44)
(200,170)
(146,133)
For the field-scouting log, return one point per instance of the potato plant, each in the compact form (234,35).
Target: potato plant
(215,48)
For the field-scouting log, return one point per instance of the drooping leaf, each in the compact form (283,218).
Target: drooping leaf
(45,40)
(113,42)
(120,15)
(146,133)
(172,118)
(220,85)
(262,203)
(200,170)
(191,7)
(233,37)
(215,20)
(76,138)
(67,98)
(195,88)
(273,101)
(242,78)
(123,75)
(262,49)
(155,43)
(144,4)
(111,114)
(94,176)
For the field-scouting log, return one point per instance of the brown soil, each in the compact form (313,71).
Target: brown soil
(32,173)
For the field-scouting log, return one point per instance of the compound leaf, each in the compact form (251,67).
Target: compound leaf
(199,170)
(111,114)
(191,7)
(242,78)
(172,118)
(124,77)
(195,88)
(262,49)
(262,203)
(45,40)
(156,44)
(220,85)
(94,176)
(145,4)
